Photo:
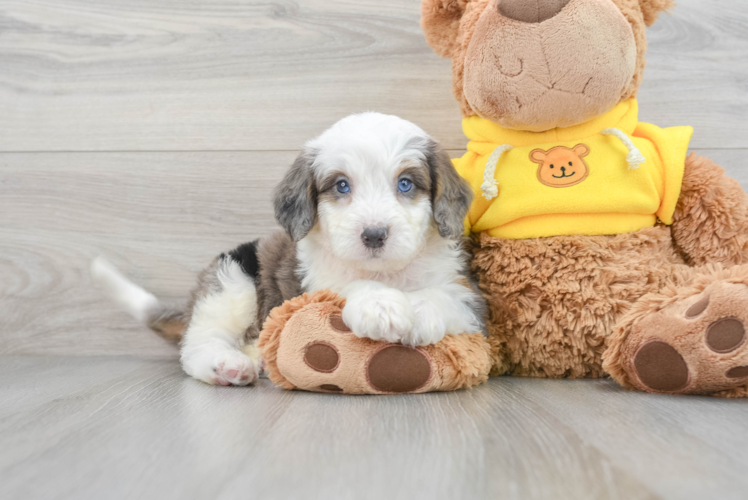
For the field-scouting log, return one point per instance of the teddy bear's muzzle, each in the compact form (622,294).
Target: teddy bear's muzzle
(535,65)
(531,11)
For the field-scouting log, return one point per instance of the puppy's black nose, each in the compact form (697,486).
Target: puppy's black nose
(374,237)
(563,169)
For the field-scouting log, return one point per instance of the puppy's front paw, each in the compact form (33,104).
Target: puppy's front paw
(383,314)
(429,326)
(220,366)
(236,368)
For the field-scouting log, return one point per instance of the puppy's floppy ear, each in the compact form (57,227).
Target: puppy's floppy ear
(440,22)
(652,8)
(295,198)
(450,194)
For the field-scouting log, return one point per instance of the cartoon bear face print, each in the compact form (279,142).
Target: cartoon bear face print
(561,166)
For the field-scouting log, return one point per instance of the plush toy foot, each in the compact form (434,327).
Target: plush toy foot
(691,345)
(306,345)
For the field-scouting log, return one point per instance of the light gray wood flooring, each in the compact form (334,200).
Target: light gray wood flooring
(153,131)
(130,428)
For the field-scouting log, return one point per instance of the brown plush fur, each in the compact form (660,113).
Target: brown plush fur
(554,301)
(712,216)
(450,26)
(663,316)
(651,9)
(456,362)
(440,20)
(270,336)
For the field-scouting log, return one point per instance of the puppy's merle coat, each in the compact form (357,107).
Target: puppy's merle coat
(373,210)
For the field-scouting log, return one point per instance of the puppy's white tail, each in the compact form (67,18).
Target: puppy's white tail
(142,305)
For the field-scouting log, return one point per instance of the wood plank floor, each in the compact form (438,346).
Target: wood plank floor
(124,427)
(166,75)
(153,132)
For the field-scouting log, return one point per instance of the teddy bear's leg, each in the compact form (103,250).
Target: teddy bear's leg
(307,345)
(690,338)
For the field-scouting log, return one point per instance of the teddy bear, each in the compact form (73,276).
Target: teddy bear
(602,246)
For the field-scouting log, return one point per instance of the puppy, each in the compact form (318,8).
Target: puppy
(373,210)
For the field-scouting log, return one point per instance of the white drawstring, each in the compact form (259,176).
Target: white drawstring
(635,157)
(490,186)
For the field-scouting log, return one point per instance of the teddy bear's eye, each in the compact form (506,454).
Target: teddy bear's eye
(570,164)
(551,165)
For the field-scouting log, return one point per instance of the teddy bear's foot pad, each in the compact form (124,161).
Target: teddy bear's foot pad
(342,362)
(695,346)
(396,368)
(312,349)
(389,369)
(660,367)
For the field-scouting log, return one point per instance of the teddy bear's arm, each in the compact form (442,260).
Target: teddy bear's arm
(710,224)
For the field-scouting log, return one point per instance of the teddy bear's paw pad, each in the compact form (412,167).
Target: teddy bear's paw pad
(398,369)
(322,357)
(661,368)
(698,308)
(694,346)
(337,324)
(725,335)
(330,388)
(738,372)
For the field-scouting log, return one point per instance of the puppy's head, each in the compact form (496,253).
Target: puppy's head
(372,190)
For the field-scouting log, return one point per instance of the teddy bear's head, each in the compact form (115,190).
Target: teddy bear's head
(540,64)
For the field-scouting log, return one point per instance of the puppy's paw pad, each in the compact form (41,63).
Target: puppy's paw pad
(235,368)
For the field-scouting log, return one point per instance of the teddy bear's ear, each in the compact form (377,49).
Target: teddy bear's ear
(581,150)
(538,156)
(652,8)
(440,21)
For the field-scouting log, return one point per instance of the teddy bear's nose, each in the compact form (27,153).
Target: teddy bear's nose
(531,11)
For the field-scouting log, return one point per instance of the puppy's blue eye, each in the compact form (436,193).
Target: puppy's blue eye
(404,185)
(344,187)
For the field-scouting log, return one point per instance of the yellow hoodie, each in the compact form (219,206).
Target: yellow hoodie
(611,175)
